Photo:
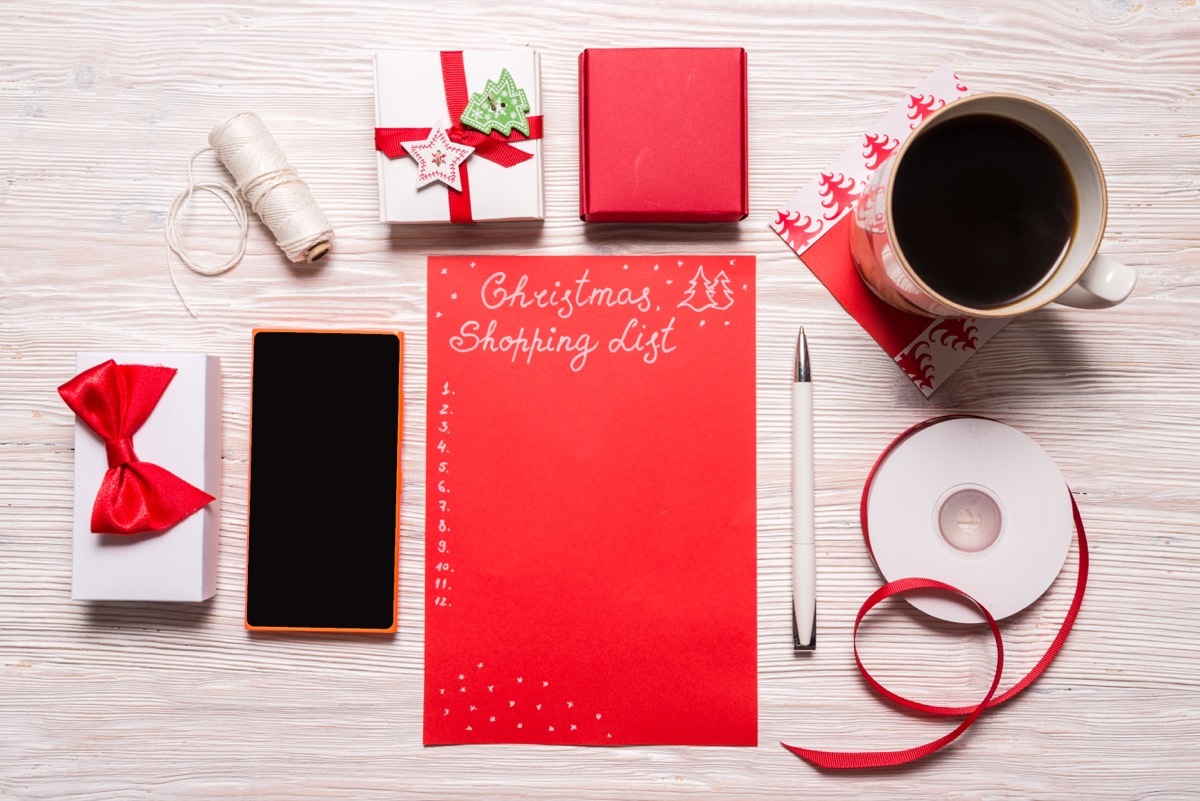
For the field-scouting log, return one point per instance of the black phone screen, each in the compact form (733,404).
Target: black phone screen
(324,481)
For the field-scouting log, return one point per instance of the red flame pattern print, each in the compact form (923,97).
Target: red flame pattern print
(918,365)
(921,106)
(958,84)
(878,147)
(955,333)
(795,228)
(839,193)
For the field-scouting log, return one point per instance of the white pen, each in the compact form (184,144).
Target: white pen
(804,558)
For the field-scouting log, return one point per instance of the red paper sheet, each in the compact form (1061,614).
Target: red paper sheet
(590,521)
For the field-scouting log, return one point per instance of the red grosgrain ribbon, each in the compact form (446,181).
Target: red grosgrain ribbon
(854,760)
(135,497)
(494,147)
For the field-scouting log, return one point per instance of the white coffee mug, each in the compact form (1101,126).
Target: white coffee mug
(1082,277)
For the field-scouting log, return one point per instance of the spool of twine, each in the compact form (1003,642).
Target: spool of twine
(268,183)
(272,187)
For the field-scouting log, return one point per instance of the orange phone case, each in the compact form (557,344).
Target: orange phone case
(399,441)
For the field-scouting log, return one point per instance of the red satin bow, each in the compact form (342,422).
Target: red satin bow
(494,147)
(135,497)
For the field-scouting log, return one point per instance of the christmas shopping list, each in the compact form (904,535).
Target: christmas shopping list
(590,517)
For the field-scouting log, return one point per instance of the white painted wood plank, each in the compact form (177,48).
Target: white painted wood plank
(102,104)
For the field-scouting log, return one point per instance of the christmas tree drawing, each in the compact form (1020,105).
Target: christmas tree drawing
(796,228)
(877,147)
(721,292)
(501,105)
(699,293)
(839,193)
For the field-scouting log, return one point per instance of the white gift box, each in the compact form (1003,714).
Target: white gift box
(410,93)
(182,435)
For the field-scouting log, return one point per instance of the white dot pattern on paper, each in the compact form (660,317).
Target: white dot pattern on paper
(558,714)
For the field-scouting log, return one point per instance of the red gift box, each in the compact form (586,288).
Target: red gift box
(662,135)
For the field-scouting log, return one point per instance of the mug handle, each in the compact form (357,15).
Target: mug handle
(1105,283)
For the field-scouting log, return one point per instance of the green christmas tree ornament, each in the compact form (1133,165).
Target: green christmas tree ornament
(501,105)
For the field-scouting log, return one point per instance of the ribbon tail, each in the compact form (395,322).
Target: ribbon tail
(390,141)
(851,760)
(460,202)
(857,760)
(141,497)
(535,131)
(500,153)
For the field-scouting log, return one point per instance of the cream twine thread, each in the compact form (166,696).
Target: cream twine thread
(267,182)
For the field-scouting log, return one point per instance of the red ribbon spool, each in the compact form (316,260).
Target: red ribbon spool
(856,760)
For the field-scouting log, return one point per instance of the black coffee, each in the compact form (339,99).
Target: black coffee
(984,209)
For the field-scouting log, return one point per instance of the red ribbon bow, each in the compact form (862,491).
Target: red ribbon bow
(135,497)
(494,147)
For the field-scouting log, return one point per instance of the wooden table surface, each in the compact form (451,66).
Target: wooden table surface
(102,104)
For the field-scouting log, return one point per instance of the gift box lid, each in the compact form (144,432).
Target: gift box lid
(663,135)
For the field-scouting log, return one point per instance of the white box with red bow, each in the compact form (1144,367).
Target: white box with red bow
(147,473)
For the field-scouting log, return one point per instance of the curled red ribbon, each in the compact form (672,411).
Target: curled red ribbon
(135,497)
(853,760)
(494,147)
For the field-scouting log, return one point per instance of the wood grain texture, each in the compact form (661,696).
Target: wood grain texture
(102,104)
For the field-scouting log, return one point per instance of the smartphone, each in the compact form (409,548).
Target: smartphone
(323,534)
